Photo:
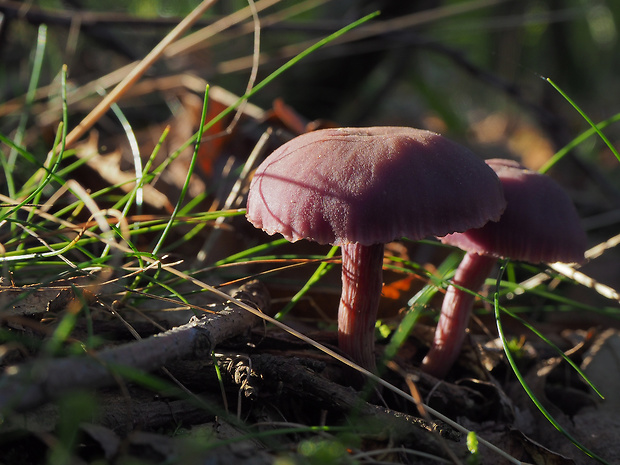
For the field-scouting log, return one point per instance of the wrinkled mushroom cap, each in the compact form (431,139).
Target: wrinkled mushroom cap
(372,185)
(540,223)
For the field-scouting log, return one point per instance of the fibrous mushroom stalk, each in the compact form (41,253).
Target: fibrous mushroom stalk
(360,188)
(362,279)
(539,224)
(456,308)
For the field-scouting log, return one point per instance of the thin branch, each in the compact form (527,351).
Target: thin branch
(26,386)
(136,73)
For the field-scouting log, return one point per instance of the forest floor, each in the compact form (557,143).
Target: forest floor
(133,289)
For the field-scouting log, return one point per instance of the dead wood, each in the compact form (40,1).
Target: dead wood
(290,379)
(23,387)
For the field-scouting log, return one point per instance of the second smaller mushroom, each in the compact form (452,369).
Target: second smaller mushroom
(540,224)
(362,187)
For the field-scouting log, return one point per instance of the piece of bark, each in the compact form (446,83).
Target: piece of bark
(271,374)
(37,300)
(23,387)
(234,446)
(124,416)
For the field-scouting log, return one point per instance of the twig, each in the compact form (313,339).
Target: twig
(136,73)
(36,15)
(270,370)
(26,386)
(585,280)
(571,272)
(259,150)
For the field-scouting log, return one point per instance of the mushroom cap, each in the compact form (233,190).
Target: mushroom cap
(372,185)
(540,223)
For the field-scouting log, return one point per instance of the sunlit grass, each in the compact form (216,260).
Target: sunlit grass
(530,392)
(594,129)
(58,236)
(61,231)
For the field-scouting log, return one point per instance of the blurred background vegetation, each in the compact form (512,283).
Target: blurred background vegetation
(473,70)
(457,64)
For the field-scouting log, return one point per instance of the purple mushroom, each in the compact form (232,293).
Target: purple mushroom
(540,224)
(362,187)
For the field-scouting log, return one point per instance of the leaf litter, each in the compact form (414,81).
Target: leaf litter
(260,395)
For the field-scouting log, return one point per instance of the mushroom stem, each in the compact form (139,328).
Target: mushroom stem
(362,279)
(455,311)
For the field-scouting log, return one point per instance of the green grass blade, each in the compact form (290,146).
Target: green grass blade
(37,63)
(522,381)
(56,176)
(323,268)
(128,200)
(577,141)
(37,255)
(251,251)
(417,304)
(595,127)
(65,326)
(190,171)
(54,161)
(135,150)
(554,347)
(293,61)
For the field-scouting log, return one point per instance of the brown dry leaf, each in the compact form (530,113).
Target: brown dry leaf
(540,454)
(562,393)
(286,116)
(108,166)
(394,289)
(37,300)
(28,301)
(601,428)
(602,366)
(108,440)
